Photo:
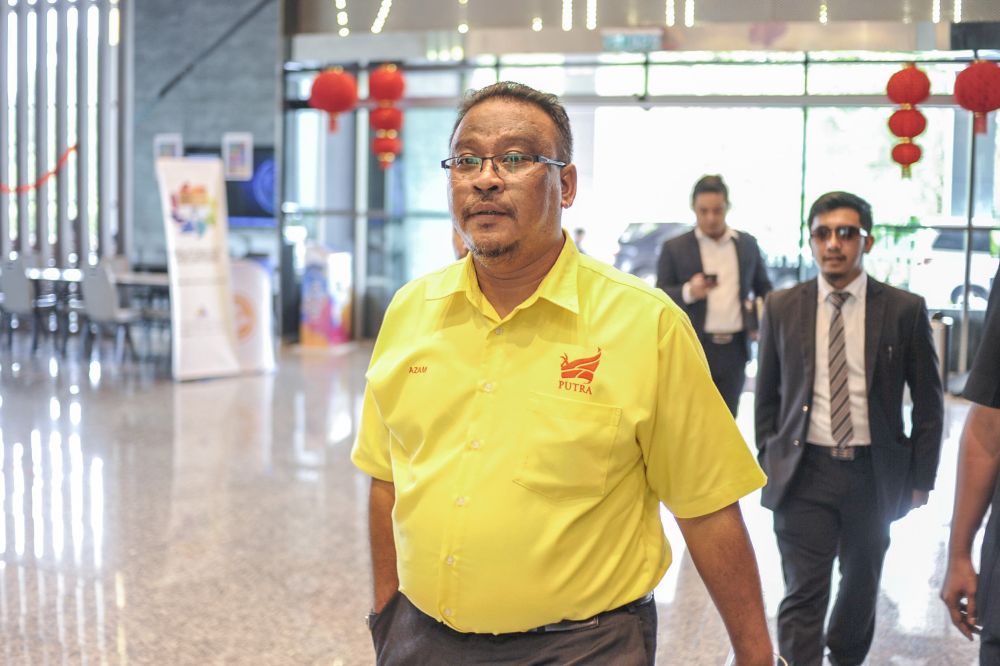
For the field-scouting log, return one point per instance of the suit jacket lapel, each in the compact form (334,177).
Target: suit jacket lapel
(694,252)
(743,258)
(874,310)
(807,315)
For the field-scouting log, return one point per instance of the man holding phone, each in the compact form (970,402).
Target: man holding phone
(715,274)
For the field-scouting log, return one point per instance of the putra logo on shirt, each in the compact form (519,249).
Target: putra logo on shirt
(582,370)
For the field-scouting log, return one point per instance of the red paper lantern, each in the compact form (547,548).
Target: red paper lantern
(386,118)
(334,91)
(907,123)
(386,83)
(387,148)
(906,153)
(908,86)
(977,88)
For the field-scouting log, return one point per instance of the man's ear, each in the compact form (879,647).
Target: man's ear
(869,242)
(567,178)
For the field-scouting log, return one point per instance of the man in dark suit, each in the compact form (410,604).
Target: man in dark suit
(715,273)
(835,353)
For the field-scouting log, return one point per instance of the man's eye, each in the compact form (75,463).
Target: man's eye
(467,161)
(514,159)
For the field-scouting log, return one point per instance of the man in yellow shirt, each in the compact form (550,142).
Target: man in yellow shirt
(527,409)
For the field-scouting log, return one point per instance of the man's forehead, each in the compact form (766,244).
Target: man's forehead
(502,119)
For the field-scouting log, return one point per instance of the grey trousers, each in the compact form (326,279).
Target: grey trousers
(989,649)
(404,636)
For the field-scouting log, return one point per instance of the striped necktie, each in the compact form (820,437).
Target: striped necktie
(840,399)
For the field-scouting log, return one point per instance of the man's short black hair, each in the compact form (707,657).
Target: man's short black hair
(711,184)
(834,200)
(548,103)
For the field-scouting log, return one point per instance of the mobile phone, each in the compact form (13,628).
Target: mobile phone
(712,278)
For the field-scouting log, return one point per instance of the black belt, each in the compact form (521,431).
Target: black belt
(572,625)
(724,338)
(841,453)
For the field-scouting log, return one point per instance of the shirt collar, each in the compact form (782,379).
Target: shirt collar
(559,286)
(856,288)
(729,234)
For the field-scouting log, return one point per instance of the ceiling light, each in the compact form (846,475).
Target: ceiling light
(689,13)
(936,11)
(536,24)
(957,16)
(824,13)
(591,14)
(383,14)
(344,32)
(457,53)
(463,2)
(671,14)
(340,4)
(463,28)
(341,18)
(567,15)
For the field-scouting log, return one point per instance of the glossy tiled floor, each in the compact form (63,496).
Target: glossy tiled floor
(221,522)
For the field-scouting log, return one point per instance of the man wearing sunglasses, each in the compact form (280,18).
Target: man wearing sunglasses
(835,354)
(526,412)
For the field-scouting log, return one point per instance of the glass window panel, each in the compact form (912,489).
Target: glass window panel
(425,144)
(722,79)
(618,80)
(871,78)
(727,56)
(432,84)
(646,162)
(480,77)
(550,79)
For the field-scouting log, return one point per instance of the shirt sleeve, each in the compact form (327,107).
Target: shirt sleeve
(697,462)
(371,449)
(983,385)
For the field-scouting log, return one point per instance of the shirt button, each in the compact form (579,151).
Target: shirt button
(447,612)
(460,501)
(499,330)
(450,560)
(805,408)
(476,444)
(488,387)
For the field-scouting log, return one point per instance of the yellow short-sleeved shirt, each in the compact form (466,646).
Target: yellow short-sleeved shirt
(529,454)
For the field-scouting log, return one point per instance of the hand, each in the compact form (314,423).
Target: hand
(700,286)
(919,498)
(958,588)
(383,597)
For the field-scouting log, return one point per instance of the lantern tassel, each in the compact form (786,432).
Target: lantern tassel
(333,122)
(906,171)
(979,122)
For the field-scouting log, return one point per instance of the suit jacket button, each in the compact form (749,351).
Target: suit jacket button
(805,408)
(796,442)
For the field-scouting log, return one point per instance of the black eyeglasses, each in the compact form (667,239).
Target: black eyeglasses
(508,164)
(823,233)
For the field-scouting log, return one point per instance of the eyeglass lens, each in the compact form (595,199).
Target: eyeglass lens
(822,233)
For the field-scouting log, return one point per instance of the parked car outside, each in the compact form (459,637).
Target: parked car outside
(639,252)
(938,269)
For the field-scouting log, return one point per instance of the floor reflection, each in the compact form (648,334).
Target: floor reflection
(221,522)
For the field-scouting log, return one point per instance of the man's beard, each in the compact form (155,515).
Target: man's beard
(492,250)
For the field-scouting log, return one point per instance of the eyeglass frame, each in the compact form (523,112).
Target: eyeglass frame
(535,159)
(844,232)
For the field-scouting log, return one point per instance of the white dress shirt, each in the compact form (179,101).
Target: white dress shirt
(725,313)
(853,316)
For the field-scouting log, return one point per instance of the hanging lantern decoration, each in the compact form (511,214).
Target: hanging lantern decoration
(387,149)
(386,118)
(334,91)
(977,89)
(907,123)
(386,85)
(906,153)
(907,87)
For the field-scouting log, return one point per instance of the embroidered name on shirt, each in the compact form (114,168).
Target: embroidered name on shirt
(418,369)
(582,370)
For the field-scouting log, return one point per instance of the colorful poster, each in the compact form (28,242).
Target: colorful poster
(326,298)
(237,155)
(193,198)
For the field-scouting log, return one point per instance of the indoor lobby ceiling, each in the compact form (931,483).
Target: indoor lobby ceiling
(331,16)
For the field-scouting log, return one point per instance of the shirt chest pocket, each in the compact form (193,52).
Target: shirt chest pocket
(565,447)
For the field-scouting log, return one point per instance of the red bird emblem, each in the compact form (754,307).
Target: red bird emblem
(582,369)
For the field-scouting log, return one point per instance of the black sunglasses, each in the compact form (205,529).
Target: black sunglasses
(823,233)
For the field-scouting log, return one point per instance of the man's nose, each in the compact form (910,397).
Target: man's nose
(488,177)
